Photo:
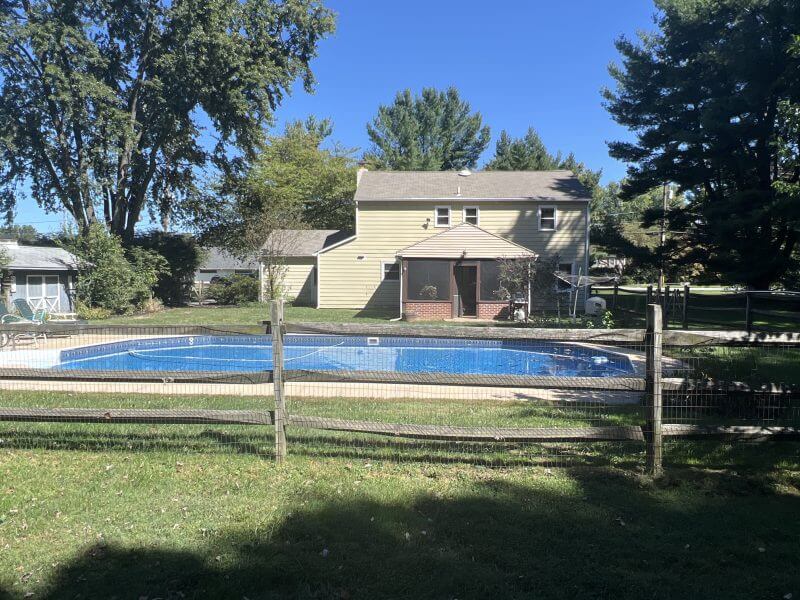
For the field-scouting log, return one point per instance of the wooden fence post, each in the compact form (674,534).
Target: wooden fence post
(649,296)
(685,315)
(665,306)
(748,314)
(653,399)
(276,316)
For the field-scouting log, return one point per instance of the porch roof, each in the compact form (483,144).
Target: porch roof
(465,241)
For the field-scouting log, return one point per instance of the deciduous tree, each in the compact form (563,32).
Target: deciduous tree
(103,104)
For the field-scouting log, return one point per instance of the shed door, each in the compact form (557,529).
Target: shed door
(44,292)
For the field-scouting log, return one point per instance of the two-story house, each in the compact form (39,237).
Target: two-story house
(427,243)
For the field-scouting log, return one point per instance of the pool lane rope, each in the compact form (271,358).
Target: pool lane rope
(169,358)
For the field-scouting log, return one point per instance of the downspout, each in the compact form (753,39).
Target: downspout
(401,293)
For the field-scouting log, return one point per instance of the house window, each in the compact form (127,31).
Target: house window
(391,271)
(472,215)
(547,218)
(442,216)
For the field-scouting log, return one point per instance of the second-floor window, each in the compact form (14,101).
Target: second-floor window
(472,215)
(547,218)
(442,216)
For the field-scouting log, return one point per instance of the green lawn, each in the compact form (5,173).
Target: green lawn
(103,511)
(246,315)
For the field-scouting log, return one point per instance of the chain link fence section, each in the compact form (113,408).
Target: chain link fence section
(73,386)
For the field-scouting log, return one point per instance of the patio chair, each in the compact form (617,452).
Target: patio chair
(6,316)
(12,337)
(27,311)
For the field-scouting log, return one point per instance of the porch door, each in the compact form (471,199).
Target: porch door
(466,277)
(43,292)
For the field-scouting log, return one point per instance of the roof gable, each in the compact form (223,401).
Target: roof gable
(465,241)
(547,186)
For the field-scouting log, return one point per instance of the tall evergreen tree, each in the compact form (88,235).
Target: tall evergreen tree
(100,99)
(523,154)
(710,97)
(433,132)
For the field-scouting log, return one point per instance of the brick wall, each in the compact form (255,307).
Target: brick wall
(429,310)
(492,310)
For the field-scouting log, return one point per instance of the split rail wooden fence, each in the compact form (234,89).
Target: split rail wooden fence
(651,383)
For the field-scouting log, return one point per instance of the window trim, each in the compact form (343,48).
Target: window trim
(383,270)
(555,218)
(477,222)
(436,215)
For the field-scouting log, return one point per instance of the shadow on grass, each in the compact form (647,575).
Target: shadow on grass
(327,445)
(599,534)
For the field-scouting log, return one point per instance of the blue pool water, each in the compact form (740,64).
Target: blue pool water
(337,353)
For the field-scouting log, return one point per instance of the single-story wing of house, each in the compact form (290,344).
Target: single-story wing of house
(428,243)
(44,275)
(289,263)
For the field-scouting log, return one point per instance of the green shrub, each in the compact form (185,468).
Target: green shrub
(183,255)
(110,277)
(236,289)
(92,314)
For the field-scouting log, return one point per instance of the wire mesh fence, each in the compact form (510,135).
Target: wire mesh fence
(174,388)
(486,396)
(685,307)
(494,396)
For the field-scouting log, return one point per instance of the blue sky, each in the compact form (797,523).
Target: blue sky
(520,63)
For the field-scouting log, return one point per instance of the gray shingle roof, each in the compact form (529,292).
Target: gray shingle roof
(481,185)
(218,259)
(39,258)
(302,242)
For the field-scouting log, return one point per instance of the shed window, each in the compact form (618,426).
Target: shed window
(442,216)
(428,280)
(391,271)
(472,215)
(547,218)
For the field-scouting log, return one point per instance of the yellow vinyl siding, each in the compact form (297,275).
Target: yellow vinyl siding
(298,280)
(386,227)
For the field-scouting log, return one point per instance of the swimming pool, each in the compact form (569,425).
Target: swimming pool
(341,353)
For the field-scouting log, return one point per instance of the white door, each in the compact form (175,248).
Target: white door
(43,292)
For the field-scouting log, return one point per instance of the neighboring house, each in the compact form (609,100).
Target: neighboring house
(288,262)
(44,275)
(427,242)
(219,263)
